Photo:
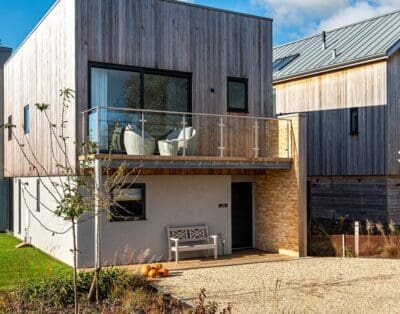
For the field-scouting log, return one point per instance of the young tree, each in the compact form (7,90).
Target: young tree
(73,190)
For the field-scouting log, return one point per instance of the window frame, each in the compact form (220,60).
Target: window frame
(246,84)
(27,119)
(142,217)
(142,71)
(354,124)
(9,131)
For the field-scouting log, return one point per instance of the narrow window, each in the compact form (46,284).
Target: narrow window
(38,195)
(27,120)
(237,94)
(128,203)
(9,131)
(274,103)
(354,121)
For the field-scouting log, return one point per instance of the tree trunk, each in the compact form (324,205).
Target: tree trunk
(76,311)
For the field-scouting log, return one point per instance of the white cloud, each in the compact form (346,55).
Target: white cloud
(354,13)
(300,18)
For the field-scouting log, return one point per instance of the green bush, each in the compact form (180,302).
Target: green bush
(57,291)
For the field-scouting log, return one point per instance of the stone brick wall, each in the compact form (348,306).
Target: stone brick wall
(280,196)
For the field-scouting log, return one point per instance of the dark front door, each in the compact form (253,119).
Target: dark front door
(242,215)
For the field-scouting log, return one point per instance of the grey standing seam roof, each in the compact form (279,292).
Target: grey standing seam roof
(370,39)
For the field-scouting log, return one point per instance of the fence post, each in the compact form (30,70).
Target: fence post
(357,238)
(344,245)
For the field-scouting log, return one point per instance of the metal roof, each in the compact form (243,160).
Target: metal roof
(375,38)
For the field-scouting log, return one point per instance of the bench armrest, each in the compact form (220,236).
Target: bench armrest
(214,237)
(176,240)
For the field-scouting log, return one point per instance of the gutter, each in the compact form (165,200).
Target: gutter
(349,64)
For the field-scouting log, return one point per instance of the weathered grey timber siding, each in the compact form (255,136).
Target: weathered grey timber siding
(169,35)
(42,66)
(327,99)
(393,114)
(350,197)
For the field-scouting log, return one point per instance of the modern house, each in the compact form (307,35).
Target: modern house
(181,93)
(5,215)
(347,81)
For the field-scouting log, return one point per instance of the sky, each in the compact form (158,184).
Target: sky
(293,19)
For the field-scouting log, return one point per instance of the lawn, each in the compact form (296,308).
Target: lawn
(20,265)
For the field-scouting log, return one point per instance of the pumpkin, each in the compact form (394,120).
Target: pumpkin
(144,270)
(158,266)
(164,272)
(153,273)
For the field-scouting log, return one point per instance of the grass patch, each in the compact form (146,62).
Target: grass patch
(18,266)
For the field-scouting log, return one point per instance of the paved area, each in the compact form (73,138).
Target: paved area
(309,285)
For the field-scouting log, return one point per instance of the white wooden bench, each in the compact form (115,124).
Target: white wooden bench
(190,238)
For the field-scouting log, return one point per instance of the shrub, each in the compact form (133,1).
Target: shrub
(57,291)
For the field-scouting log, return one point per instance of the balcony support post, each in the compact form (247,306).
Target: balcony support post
(184,123)
(221,137)
(142,120)
(256,146)
(97,222)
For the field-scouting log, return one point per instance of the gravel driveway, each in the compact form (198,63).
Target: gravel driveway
(309,285)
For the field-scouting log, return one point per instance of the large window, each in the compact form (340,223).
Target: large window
(128,203)
(137,88)
(237,94)
(27,119)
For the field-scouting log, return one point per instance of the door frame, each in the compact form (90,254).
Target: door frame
(246,179)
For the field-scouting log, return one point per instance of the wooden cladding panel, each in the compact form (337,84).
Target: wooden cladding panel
(326,98)
(41,67)
(361,86)
(210,44)
(393,114)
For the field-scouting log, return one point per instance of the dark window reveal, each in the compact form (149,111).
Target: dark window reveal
(9,130)
(27,120)
(237,94)
(128,203)
(354,121)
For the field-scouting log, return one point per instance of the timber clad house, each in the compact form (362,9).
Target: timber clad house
(347,82)
(181,92)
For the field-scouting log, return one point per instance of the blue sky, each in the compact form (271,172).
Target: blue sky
(293,19)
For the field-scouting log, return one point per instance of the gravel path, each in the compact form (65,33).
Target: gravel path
(310,285)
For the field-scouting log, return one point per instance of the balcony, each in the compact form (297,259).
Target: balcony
(155,139)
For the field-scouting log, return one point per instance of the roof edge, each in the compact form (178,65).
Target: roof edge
(393,48)
(338,28)
(218,10)
(332,68)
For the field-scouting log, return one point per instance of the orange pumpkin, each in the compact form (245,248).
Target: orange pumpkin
(158,266)
(145,270)
(153,273)
(164,272)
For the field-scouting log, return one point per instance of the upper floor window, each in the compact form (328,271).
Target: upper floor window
(237,94)
(354,121)
(27,120)
(9,130)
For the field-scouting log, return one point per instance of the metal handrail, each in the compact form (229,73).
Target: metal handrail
(181,113)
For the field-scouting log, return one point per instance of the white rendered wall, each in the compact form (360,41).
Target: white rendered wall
(170,200)
(35,224)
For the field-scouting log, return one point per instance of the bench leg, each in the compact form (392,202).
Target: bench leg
(215,252)
(177,256)
(169,255)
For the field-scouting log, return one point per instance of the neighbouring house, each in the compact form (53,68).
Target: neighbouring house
(347,82)
(5,195)
(184,95)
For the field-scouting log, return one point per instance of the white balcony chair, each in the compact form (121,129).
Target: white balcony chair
(175,141)
(133,141)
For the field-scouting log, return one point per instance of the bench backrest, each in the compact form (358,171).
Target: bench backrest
(188,233)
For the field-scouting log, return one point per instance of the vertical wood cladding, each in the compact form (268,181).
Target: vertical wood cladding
(327,98)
